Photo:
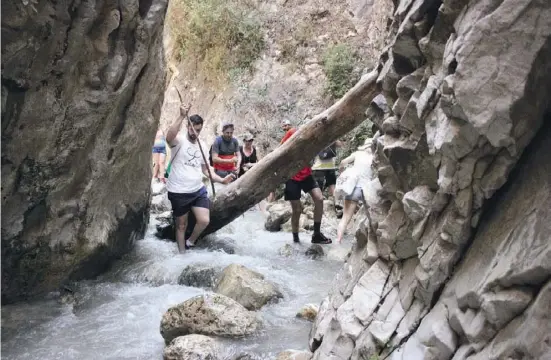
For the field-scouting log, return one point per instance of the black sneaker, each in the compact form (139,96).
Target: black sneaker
(319,238)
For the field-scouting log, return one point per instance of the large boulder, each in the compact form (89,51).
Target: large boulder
(278,214)
(208,314)
(192,347)
(199,275)
(82,88)
(247,287)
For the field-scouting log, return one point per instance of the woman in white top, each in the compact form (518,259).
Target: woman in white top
(361,175)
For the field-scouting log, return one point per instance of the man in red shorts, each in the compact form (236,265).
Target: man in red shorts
(303,181)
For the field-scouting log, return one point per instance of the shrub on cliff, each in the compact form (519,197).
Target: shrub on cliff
(338,64)
(220,36)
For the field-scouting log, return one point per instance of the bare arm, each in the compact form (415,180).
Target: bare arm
(175,127)
(348,160)
(215,177)
(238,154)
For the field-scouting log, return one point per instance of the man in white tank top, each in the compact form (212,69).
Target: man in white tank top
(186,190)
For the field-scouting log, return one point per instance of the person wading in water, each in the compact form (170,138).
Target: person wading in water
(226,157)
(186,190)
(303,181)
(159,154)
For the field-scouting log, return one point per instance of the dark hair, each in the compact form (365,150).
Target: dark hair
(196,119)
(225,126)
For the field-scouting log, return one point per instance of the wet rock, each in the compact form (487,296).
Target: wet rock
(279,213)
(208,314)
(288,250)
(199,275)
(165,229)
(294,355)
(247,287)
(315,251)
(192,347)
(216,243)
(308,312)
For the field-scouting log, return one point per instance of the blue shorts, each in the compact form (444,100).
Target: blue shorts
(182,203)
(159,150)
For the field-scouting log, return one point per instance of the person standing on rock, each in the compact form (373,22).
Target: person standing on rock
(226,157)
(185,187)
(303,181)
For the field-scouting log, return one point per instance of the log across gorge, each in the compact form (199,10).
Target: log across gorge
(278,166)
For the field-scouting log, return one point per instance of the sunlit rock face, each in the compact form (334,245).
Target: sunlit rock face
(456,260)
(82,88)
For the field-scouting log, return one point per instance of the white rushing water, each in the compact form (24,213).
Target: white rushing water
(118,315)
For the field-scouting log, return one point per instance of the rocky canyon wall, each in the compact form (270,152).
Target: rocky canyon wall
(456,260)
(82,89)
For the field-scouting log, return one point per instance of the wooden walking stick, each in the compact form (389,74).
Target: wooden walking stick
(200,147)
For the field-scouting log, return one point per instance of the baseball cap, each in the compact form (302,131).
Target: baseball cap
(248,136)
(286,122)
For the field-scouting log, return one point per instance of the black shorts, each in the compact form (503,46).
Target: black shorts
(293,187)
(182,203)
(325,178)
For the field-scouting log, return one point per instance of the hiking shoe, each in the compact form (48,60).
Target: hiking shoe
(320,239)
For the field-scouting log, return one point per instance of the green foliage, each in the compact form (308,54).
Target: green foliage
(220,36)
(338,63)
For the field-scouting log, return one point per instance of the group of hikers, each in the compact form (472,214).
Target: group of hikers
(227,160)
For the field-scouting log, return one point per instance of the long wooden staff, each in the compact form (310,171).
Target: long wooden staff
(200,147)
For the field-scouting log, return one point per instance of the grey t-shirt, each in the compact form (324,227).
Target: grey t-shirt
(223,147)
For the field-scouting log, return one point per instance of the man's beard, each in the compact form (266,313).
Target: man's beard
(192,137)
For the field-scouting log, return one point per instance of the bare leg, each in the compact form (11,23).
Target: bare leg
(296,208)
(317,196)
(349,209)
(181,225)
(331,190)
(161,173)
(202,216)
(155,165)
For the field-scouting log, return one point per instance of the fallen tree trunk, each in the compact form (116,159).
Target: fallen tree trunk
(294,154)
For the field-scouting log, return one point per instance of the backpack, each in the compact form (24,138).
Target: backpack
(328,153)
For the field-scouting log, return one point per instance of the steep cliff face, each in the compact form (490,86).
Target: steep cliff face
(456,262)
(82,88)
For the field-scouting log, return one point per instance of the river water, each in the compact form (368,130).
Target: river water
(118,315)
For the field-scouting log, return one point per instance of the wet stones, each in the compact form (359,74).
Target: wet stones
(208,314)
(247,287)
(308,312)
(192,347)
(199,275)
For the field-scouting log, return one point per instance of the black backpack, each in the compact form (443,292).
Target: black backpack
(328,153)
